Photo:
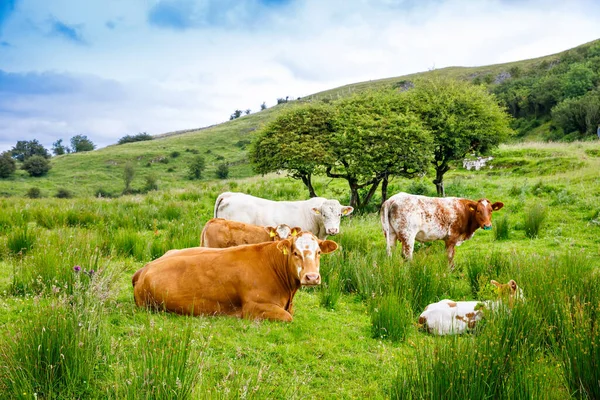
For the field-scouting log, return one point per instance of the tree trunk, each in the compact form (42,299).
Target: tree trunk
(384,188)
(354,196)
(439,181)
(306,179)
(371,192)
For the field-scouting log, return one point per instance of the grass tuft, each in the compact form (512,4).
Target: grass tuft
(534,218)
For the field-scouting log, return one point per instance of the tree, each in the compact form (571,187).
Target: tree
(128,174)
(8,165)
(462,117)
(222,171)
(248,111)
(263,106)
(196,168)
(142,136)
(578,80)
(80,143)
(36,166)
(297,142)
(59,149)
(579,114)
(25,149)
(375,138)
(236,114)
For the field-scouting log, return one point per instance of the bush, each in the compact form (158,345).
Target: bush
(196,168)
(63,193)
(80,143)
(8,165)
(534,217)
(175,154)
(222,171)
(151,183)
(128,174)
(101,192)
(135,138)
(36,166)
(34,193)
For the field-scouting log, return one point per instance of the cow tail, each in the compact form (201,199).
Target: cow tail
(203,234)
(385,219)
(221,197)
(136,276)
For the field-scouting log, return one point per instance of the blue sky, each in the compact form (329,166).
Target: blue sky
(109,68)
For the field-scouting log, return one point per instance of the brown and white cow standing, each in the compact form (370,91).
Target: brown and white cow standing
(408,217)
(256,281)
(222,233)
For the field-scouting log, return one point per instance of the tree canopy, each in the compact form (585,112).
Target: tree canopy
(463,118)
(28,148)
(80,143)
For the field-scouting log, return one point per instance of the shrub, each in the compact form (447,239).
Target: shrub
(34,193)
(135,138)
(534,217)
(196,168)
(222,171)
(80,143)
(63,193)
(419,187)
(391,318)
(175,154)
(501,228)
(101,192)
(8,165)
(151,183)
(128,174)
(36,166)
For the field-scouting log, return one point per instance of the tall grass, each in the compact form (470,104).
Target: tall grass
(160,366)
(534,218)
(391,317)
(501,228)
(21,240)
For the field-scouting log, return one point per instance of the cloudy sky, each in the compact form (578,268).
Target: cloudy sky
(108,68)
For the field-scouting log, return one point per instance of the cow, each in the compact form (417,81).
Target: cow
(447,317)
(221,233)
(254,281)
(317,215)
(408,217)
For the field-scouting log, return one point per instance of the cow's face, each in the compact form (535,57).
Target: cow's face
(509,290)
(331,211)
(282,231)
(483,212)
(304,254)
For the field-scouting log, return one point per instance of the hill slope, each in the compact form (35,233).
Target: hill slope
(167,157)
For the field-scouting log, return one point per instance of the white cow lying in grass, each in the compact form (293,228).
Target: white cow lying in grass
(447,317)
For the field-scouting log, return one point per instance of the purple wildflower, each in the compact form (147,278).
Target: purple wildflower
(90,272)
(77,268)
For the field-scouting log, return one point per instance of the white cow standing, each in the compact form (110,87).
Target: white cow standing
(317,215)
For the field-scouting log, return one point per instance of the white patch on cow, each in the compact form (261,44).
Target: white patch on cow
(283,231)
(307,245)
(485,203)
(299,270)
(443,319)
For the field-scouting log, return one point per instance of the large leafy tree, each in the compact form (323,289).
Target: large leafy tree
(297,141)
(376,137)
(28,148)
(8,165)
(81,143)
(462,117)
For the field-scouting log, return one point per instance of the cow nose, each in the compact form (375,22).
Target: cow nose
(487,227)
(332,231)
(312,278)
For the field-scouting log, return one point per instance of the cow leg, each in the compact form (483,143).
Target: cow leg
(390,242)
(450,246)
(408,245)
(253,310)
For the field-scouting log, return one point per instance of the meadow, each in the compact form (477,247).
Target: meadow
(70,328)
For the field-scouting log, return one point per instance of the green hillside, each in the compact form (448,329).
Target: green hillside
(167,157)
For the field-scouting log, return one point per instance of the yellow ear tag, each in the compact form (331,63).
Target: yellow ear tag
(285,251)
(294,233)
(471,208)
(345,211)
(271,234)
(317,212)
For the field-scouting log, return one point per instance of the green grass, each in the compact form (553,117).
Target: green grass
(354,337)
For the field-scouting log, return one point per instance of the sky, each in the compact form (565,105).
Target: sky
(110,68)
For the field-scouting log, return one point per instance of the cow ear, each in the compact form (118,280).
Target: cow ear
(316,211)
(496,283)
(295,231)
(284,246)
(497,205)
(347,210)
(513,285)
(327,246)
(271,231)
(472,206)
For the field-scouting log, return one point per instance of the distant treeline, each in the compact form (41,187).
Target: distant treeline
(140,137)
(564,92)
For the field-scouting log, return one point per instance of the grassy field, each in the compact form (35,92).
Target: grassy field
(77,334)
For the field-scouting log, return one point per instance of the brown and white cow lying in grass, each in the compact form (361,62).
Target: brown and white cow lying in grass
(408,217)
(256,281)
(447,317)
(222,233)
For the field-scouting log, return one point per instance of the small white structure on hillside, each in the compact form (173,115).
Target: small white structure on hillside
(477,164)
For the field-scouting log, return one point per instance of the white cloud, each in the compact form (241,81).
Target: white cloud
(169,79)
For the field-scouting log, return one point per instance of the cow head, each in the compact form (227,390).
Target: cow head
(483,212)
(331,211)
(510,291)
(282,231)
(304,252)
